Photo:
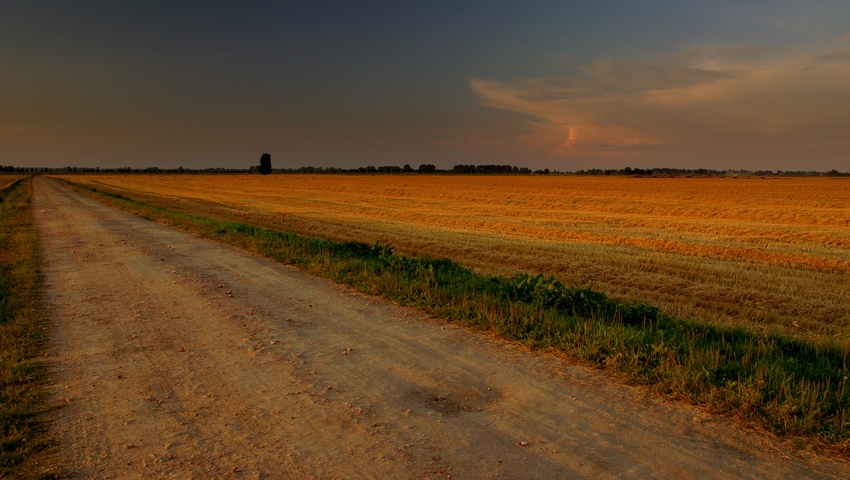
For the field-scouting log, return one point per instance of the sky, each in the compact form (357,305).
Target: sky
(564,85)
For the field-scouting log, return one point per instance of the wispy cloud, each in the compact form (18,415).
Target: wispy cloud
(838,55)
(735,98)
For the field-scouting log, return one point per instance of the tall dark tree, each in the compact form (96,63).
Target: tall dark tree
(266,164)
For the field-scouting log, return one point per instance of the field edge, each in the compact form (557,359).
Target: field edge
(789,387)
(23,323)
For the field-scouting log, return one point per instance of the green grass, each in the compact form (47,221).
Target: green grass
(787,385)
(21,333)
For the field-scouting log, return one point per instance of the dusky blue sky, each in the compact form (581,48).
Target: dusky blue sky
(561,85)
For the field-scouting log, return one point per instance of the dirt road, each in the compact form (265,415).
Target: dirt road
(176,357)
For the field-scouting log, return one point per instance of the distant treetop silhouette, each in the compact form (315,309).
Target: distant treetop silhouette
(266,164)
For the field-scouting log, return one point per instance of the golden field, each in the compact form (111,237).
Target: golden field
(6,180)
(769,254)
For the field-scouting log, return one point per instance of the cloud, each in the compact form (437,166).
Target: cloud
(839,55)
(635,77)
(736,98)
(726,54)
(616,77)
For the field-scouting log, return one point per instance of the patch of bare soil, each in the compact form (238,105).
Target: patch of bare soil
(177,357)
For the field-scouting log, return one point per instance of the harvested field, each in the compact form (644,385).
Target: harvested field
(204,361)
(769,254)
(6,180)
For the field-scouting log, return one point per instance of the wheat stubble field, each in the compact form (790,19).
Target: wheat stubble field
(767,254)
(173,356)
(790,385)
(6,180)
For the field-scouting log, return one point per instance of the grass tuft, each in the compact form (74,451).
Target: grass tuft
(788,385)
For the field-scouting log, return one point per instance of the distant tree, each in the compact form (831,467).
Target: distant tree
(427,168)
(407,168)
(266,164)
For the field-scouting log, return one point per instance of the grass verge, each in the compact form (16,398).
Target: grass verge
(787,385)
(21,332)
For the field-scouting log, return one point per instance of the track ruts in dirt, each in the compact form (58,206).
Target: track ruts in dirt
(177,357)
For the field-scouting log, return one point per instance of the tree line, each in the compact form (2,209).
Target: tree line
(423,168)
(514,170)
(265,167)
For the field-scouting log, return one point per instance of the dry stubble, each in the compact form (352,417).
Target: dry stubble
(770,254)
